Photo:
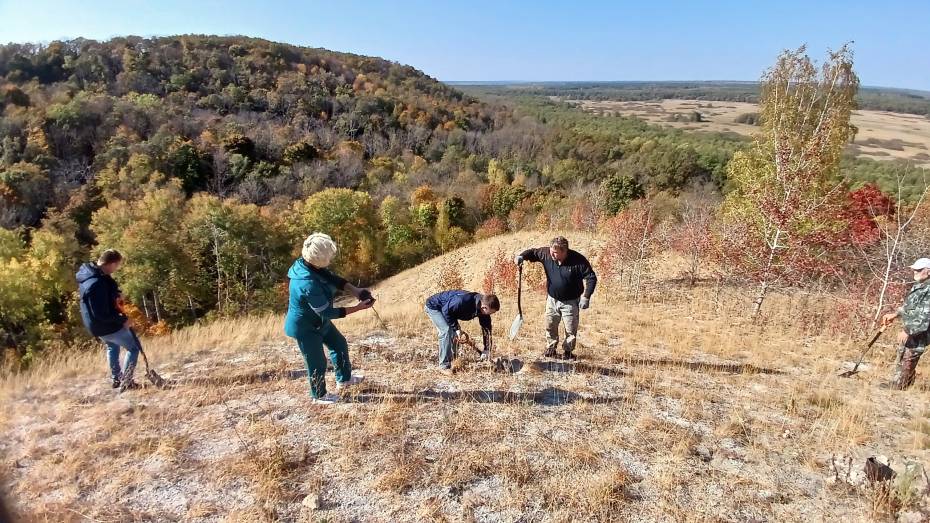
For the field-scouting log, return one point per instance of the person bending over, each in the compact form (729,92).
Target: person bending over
(446,309)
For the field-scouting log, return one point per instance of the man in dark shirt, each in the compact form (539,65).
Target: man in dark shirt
(101,313)
(570,282)
(447,308)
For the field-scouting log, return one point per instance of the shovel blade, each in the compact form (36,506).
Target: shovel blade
(155,379)
(515,326)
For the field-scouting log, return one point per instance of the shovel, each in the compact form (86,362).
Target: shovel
(518,321)
(855,369)
(384,326)
(150,374)
(466,340)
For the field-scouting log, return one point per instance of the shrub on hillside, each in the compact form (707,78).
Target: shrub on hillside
(584,216)
(617,191)
(631,240)
(452,238)
(501,275)
(142,325)
(493,226)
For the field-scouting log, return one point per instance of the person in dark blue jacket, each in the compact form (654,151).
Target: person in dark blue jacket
(310,311)
(447,308)
(100,311)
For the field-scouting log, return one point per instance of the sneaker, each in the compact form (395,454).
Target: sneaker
(354,380)
(129,384)
(116,383)
(327,399)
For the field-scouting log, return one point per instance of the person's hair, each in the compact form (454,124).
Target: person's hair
(318,249)
(491,301)
(109,256)
(559,242)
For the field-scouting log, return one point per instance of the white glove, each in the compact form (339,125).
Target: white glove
(584,302)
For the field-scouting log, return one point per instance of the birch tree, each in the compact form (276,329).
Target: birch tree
(785,185)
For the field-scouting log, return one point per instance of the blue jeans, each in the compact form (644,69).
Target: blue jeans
(446,352)
(122,338)
(311,348)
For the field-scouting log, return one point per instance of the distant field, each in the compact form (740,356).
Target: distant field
(909,101)
(882,135)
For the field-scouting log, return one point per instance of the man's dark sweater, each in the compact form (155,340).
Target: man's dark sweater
(99,293)
(564,282)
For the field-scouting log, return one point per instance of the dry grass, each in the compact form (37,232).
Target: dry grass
(882,135)
(679,410)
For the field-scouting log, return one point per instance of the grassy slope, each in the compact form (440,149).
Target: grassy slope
(664,420)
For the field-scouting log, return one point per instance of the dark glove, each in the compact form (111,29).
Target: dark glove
(365,295)
(584,302)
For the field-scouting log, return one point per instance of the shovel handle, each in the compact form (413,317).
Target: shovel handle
(145,358)
(876,336)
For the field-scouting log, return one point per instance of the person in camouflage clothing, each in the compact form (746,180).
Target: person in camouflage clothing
(915,322)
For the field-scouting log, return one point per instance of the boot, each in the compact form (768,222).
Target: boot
(129,384)
(126,381)
(907,370)
(569,356)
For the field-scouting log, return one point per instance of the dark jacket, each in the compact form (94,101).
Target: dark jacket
(566,281)
(310,299)
(458,306)
(99,292)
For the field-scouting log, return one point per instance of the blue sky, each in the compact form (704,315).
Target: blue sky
(531,40)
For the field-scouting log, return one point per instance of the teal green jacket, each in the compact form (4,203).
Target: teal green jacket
(310,299)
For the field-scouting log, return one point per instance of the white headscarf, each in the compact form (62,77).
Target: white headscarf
(318,250)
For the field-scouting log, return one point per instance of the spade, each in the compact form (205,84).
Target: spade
(150,373)
(855,369)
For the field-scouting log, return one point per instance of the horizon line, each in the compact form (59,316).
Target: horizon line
(478,82)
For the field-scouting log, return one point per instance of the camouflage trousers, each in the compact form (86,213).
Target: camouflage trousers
(561,313)
(906,362)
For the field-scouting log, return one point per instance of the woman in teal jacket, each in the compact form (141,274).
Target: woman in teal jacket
(310,312)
